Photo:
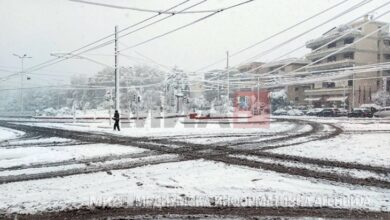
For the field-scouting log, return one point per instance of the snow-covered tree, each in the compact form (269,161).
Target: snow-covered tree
(278,99)
(381,98)
(176,86)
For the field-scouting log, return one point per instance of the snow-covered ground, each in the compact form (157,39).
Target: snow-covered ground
(194,182)
(24,156)
(370,149)
(362,141)
(343,171)
(7,134)
(183,183)
(178,130)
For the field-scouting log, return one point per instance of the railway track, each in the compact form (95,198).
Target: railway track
(217,152)
(237,152)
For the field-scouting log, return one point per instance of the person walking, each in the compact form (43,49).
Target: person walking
(116,119)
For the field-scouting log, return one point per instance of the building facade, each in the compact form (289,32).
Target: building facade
(358,88)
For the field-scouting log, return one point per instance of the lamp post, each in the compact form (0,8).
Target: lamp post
(24,56)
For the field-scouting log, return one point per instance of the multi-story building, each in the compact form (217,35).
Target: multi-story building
(358,88)
(253,67)
(295,94)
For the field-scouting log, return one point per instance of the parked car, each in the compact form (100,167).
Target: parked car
(342,112)
(294,112)
(383,113)
(360,113)
(328,112)
(314,111)
(280,112)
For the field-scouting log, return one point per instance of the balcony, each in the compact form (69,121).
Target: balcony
(325,52)
(329,91)
(327,38)
(332,65)
(385,50)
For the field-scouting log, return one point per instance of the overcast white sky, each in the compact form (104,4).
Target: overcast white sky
(41,27)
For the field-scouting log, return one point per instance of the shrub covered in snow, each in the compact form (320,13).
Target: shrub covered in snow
(278,100)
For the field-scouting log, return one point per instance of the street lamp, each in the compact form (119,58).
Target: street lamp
(21,57)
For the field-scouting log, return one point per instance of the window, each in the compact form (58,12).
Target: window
(370,94)
(386,42)
(350,82)
(332,59)
(349,56)
(296,89)
(296,99)
(349,40)
(387,56)
(388,85)
(364,94)
(315,60)
(328,85)
(332,45)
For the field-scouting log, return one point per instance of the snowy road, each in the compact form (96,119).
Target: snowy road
(301,159)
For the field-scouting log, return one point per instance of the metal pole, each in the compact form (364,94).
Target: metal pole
(345,86)
(258,89)
(353,90)
(228,79)
(21,79)
(384,91)
(21,87)
(117,100)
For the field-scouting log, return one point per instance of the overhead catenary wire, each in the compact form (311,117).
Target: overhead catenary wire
(146,10)
(55,61)
(273,35)
(107,37)
(371,67)
(186,25)
(354,7)
(159,36)
(75,87)
(350,9)
(331,41)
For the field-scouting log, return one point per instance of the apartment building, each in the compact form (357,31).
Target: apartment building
(358,88)
(295,94)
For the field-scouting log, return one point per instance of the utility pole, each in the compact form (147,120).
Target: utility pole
(384,91)
(228,79)
(117,100)
(21,79)
(258,90)
(353,89)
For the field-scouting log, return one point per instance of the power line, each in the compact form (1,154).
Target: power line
(272,36)
(146,10)
(162,19)
(109,42)
(321,47)
(186,25)
(104,38)
(354,7)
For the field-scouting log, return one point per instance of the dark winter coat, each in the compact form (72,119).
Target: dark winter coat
(116,116)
